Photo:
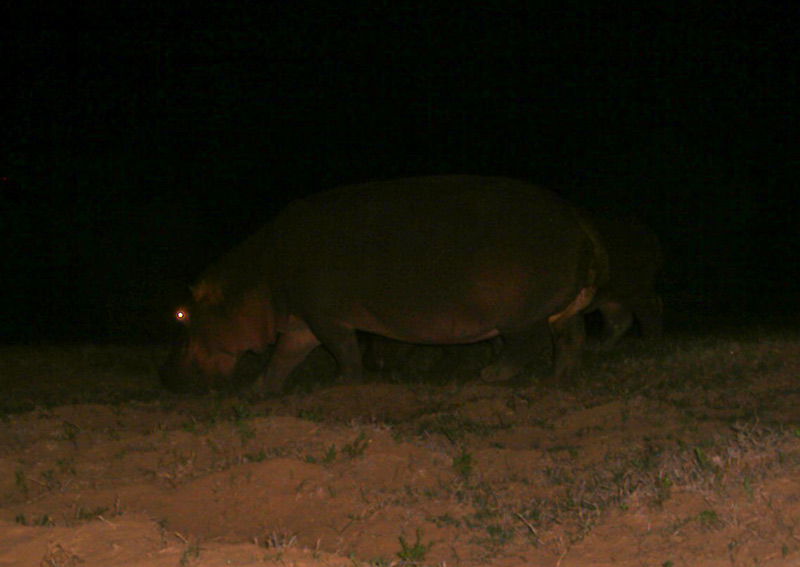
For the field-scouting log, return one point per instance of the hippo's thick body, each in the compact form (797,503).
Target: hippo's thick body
(434,260)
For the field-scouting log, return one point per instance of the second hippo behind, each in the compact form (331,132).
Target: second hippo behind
(431,260)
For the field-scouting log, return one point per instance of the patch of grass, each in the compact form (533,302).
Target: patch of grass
(84,514)
(413,554)
(189,554)
(51,480)
(357,447)
(191,426)
(571,450)
(748,488)
(66,466)
(557,476)
(399,436)
(280,541)
(484,498)
(69,432)
(455,428)
(20,481)
(702,460)
(708,519)
(499,535)
(42,521)
(57,556)
(534,512)
(463,464)
(181,466)
(663,490)
(241,412)
(330,456)
(256,457)
(245,432)
(446,520)
(314,415)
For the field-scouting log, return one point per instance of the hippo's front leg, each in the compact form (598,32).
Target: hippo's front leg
(290,350)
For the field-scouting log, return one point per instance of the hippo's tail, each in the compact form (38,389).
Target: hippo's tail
(599,267)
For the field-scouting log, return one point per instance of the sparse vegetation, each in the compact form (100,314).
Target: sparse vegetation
(84,514)
(19,480)
(357,447)
(455,428)
(311,415)
(463,463)
(330,456)
(280,542)
(699,436)
(413,553)
(708,518)
(191,553)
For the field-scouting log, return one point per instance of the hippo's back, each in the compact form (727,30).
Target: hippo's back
(435,244)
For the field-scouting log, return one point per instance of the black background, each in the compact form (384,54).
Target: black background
(140,141)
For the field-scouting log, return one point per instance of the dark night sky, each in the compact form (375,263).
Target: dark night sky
(139,143)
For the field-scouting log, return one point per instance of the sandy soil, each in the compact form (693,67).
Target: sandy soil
(682,455)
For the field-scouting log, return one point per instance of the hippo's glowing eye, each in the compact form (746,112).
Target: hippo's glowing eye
(181,315)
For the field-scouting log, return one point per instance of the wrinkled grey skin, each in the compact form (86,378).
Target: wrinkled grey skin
(432,260)
(635,259)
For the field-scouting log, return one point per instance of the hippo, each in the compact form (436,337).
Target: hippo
(635,258)
(429,260)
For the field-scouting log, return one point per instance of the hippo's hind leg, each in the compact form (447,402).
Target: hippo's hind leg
(381,354)
(290,350)
(617,319)
(518,354)
(649,311)
(569,334)
(341,341)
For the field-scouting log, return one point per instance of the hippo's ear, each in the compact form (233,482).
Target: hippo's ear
(207,293)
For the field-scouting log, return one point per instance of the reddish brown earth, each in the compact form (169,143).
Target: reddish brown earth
(680,454)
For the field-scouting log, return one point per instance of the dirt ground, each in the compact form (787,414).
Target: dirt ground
(682,453)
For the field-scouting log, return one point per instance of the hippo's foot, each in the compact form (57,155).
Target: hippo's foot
(504,373)
(350,375)
(263,387)
(600,345)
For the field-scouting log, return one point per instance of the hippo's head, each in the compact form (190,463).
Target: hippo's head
(215,331)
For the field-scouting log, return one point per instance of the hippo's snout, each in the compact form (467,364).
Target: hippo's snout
(179,374)
(190,368)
